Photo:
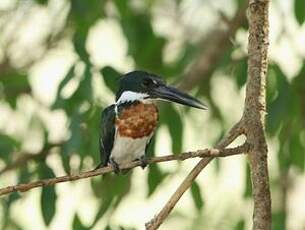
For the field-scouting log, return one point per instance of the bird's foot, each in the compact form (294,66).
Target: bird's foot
(143,161)
(115,166)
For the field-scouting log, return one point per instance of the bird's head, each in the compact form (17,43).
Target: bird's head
(143,86)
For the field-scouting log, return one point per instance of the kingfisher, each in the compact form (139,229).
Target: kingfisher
(128,125)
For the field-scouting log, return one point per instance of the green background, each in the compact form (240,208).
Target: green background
(167,38)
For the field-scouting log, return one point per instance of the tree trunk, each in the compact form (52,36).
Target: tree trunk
(254,113)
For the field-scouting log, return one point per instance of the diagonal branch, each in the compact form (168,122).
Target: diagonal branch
(187,182)
(183,156)
(234,132)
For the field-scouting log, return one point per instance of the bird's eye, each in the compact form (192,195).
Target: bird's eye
(148,83)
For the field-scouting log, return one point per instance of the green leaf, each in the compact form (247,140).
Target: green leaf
(59,102)
(84,93)
(111,187)
(248,189)
(196,194)
(155,177)
(7,202)
(296,150)
(14,84)
(280,107)
(7,146)
(48,196)
(84,14)
(224,62)
(105,206)
(241,73)
(84,90)
(171,118)
(240,225)
(111,77)
(279,220)
(79,42)
(240,3)
(90,134)
(65,160)
(77,224)
(144,45)
(24,174)
(42,2)
(299,80)
(283,155)
(299,11)
(11,224)
(272,85)
(48,204)
(75,140)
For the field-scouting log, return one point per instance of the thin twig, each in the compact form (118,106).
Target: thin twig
(108,169)
(233,133)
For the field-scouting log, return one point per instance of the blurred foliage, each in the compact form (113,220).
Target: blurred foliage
(48,195)
(196,194)
(285,106)
(299,11)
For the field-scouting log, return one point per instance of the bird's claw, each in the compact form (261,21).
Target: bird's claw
(143,161)
(115,166)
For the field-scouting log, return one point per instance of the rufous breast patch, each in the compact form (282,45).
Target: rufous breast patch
(137,120)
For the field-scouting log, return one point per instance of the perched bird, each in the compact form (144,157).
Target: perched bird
(128,125)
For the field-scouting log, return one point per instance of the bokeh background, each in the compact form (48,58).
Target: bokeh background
(59,65)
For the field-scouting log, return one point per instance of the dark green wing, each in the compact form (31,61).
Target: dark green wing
(107,133)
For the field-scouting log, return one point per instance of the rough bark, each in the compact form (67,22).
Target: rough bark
(254,112)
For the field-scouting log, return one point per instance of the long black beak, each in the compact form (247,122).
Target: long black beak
(172,94)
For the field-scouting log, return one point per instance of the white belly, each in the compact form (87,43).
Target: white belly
(126,149)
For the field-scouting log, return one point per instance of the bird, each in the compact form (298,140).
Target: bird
(128,125)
